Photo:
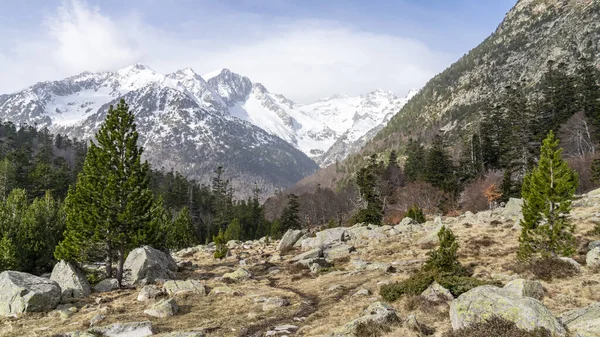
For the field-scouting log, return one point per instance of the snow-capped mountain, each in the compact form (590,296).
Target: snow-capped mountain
(193,122)
(180,119)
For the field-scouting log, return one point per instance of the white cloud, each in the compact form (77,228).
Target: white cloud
(302,60)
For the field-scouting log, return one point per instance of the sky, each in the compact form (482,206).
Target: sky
(303,49)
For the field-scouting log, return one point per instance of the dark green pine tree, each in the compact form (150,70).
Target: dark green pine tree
(111,203)
(559,99)
(290,218)
(415,161)
(547,192)
(588,92)
(491,131)
(367,182)
(182,234)
(234,230)
(445,258)
(439,170)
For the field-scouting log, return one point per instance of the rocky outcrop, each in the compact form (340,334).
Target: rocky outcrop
(338,251)
(584,320)
(288,240)
(130,329)
(147,265)
(22,292)
(72,281)
(528,288)
(483,302)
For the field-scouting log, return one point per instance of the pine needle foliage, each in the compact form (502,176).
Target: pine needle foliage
(548,191)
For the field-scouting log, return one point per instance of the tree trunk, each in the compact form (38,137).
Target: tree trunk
(120,262)
(109,271)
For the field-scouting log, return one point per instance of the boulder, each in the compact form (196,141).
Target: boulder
(22,292)
(131,329)
(148,293)
(594,244)
(163,309)
(431,237)
(338,251)
(174,287)
(274,303)
(72,281)
(311,254)
(377,313)
(359,264)
(381,266)
(105,285)
(527,288)
(593,258)
(571,262)
(513,208)
(483,302)
(362,292)
(239,275)
(436,293)
(288,240)
(326,238)
(584,320)
(407,222)
(147,265)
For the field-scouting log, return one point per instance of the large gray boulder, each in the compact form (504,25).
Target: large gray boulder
(72,281)
(146,265)
(326,238)
(483,302)
(436,293)
(592,259)
(584,320)
(239,275)
(163,309)
(311,254)
(338,251)
(22,292)
(527,288)
(106,285)
(288,240)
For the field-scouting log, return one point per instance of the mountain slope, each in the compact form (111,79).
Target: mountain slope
(532,33)
(181,124)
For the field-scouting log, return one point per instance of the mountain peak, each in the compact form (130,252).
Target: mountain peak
(214,73)
(186,72)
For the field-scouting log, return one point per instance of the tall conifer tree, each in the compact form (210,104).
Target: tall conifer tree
(547,192)
(110,205)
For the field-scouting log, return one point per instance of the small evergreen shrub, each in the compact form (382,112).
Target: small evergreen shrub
(444,259)
(496,326)
(220,245)
(544,268)
(415,213)
(414,285)
(459,285)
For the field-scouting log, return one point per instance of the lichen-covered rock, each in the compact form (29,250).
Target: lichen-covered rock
(146,265)
(594,244)
(185,334)
(528,288)
(592,259)
(288,240)
(174,287)
(436,293)
(72,281)
(239,275)
(130,329)
(148,293)
(571,262)
(163,309)
(584,320)
(22,292)
(481,303)
(106,285)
